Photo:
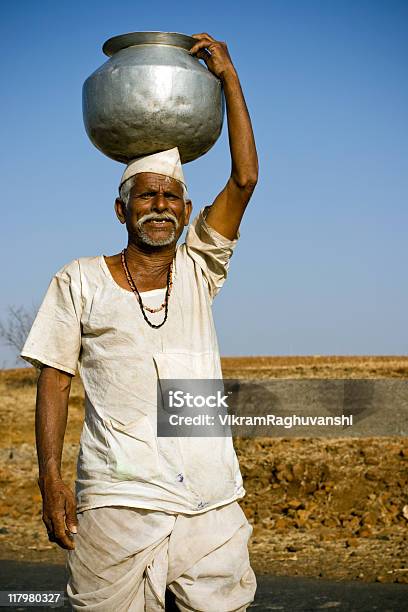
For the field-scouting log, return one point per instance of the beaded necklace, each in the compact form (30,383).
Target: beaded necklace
(132,285)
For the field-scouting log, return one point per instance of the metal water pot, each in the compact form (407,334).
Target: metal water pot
(151,95)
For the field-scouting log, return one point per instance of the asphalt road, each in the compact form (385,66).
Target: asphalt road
(285,594)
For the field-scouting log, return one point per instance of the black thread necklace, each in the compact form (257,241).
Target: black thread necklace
(132,285)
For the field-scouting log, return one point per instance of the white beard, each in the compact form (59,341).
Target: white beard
(146,239)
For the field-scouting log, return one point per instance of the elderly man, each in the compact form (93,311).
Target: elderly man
(150,513)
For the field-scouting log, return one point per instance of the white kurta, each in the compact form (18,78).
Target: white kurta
(87,320)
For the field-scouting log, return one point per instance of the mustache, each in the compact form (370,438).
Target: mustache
(167,216)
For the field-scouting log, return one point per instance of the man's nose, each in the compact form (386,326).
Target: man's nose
(159,202)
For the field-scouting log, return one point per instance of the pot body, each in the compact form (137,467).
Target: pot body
(151,95)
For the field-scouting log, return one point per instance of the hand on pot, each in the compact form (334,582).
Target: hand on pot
(214,53)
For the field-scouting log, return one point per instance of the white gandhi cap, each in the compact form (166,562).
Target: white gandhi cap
(166,162)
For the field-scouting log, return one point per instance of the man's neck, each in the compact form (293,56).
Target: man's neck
(149,262)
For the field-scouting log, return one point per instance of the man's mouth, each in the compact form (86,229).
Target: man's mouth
(159,222)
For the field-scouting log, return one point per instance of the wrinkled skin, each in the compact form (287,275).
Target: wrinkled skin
(161,197)
(59,506)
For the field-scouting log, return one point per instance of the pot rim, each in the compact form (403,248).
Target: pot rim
(174,39)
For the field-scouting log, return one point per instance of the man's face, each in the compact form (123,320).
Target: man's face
(156,213)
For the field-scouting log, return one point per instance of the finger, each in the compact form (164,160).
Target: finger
(202,44)
(50,530)
(204,55)
(47,522)
(66,542)
(71,520)
(61,535)
(203,35)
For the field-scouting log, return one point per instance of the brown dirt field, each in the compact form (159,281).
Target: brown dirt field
(333,508)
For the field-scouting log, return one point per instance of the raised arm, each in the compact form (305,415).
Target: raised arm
(59,506)
(227,210)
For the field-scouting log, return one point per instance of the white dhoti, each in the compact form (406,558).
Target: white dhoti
(125,558)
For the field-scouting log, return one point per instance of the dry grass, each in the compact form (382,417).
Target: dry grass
(316,366)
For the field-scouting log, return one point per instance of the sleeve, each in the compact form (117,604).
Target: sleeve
(210,250)
(55,335)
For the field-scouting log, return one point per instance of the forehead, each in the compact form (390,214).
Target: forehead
(152,180)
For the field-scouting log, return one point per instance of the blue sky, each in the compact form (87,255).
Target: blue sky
(321,264)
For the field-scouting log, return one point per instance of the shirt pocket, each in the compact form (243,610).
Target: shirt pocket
(132,450)
(196,373)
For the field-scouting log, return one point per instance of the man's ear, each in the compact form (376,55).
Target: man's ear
(120,209)
(188,206)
